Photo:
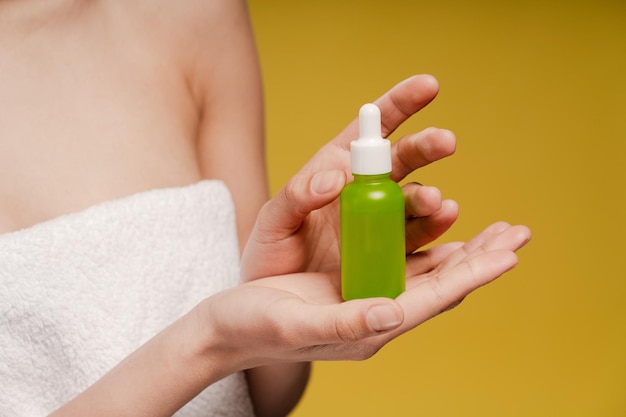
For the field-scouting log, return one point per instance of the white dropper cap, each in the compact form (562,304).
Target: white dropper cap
(370,153)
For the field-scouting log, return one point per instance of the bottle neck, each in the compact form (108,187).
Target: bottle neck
(371,178)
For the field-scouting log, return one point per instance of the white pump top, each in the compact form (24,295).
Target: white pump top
(371,153)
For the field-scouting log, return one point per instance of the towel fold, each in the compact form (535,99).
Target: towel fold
(81,292)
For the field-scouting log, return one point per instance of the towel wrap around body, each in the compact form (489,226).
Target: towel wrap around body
(80,292)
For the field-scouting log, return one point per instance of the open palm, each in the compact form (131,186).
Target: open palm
(301,317)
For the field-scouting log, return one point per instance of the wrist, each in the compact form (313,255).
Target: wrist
(210,353)
(161,376)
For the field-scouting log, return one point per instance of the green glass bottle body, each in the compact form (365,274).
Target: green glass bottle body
(373,254)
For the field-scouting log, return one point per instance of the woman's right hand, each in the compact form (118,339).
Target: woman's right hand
(291,318)
(301,317)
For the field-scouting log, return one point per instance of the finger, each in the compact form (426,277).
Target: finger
(422,230)
(513,239)
(415,151)
(396,106)
(444,288)
(420,200)
(425,261)
(437,294)
(304,192)
(498,236)
(341,328)
(406,99)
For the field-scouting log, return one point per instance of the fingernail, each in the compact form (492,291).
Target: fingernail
(382,317)
(326,181)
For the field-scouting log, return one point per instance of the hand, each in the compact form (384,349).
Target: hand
(298,230)
(301,317)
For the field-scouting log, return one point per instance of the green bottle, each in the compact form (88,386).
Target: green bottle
(372,217)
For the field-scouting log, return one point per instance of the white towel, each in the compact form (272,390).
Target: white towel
(80,292)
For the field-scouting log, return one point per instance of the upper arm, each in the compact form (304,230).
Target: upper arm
(226,81)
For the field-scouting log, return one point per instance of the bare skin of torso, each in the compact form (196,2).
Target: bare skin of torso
(103,99)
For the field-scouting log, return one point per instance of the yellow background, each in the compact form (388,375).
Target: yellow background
(536,94)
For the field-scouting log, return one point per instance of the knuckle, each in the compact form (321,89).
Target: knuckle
(439,302)
(366,351)
(296,196)
(347,331)
(454,304)
(290,191)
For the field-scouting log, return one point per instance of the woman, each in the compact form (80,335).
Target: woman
(110,107)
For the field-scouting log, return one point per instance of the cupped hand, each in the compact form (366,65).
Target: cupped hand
(301,317)
(298,230)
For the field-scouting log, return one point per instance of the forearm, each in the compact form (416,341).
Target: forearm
(158,378)
(275,390)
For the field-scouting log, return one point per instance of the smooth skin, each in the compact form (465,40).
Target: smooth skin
(105,99)
(295,318)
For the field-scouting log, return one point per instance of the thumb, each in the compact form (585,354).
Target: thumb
(284,214)
(353,320)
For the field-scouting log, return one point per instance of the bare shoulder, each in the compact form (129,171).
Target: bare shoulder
(225,79)
(217,44)
(103,99)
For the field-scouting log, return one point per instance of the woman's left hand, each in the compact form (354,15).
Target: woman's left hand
(298,230)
